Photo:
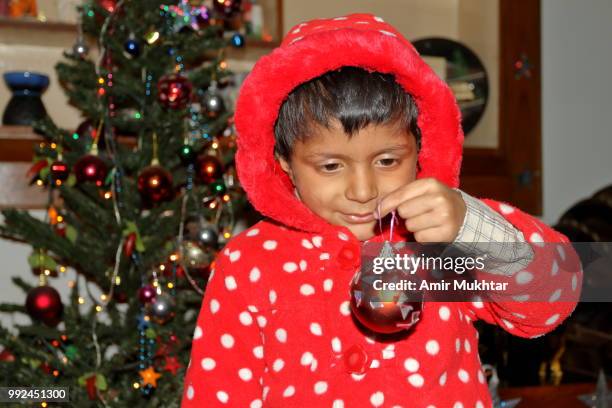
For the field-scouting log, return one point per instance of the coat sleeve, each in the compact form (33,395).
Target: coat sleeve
(539,295)
(226,363)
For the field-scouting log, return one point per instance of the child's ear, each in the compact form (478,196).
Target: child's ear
(286,167)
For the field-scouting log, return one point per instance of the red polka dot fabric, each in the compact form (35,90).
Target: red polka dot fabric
(357,21)
(275,328)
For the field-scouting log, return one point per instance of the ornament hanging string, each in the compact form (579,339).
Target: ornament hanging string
(155,159)
(103,30)
(190,279)
(96,139)
(392,223)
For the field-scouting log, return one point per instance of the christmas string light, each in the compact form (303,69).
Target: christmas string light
(145,353)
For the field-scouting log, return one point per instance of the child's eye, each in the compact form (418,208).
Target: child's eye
(329,167)
(388,162)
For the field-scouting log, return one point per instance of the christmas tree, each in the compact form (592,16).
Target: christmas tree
(141,198)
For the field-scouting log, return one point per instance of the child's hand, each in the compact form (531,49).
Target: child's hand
(432,211)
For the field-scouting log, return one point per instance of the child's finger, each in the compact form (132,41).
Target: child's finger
(422,222)
(416,206)
(392,200)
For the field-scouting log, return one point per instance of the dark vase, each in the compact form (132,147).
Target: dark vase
(25,105)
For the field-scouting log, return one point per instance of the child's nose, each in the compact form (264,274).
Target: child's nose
(361,187)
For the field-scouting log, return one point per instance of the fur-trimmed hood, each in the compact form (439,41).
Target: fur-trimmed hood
(308,51)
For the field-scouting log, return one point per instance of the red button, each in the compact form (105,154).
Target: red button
(347,256)
(356,360)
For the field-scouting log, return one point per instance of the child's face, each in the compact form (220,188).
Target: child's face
(342,179)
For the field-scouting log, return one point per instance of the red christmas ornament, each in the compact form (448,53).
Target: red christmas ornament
(36,168)
(59,171)
(44,303)
(174,91)
(146,294)
(7,356)
(128,245)
(383,311)
(90,385)
(60,229)
(209,168)
(386,317)
(90,168)
(109,5)
(155,185)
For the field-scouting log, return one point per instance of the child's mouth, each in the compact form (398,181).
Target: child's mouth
(358,218)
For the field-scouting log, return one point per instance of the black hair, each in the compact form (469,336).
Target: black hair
(353,96)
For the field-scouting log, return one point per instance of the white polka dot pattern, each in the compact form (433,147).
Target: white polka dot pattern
(263,318)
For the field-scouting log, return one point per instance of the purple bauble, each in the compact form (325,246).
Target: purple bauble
(146,294)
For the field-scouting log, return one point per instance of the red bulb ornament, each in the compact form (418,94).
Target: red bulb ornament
(6,356)
(174,91)
(91,168)
(384,311)
(155,185)
(44,304)
(209,168)
(146,294)
(109,5)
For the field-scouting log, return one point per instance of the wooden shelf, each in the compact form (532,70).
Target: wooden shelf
(17,132)
(17,143)
(70,28)
(33,24)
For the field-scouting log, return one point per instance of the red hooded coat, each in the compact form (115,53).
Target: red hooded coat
(275,328)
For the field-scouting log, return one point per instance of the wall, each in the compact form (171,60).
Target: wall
(577,103)
(473,23)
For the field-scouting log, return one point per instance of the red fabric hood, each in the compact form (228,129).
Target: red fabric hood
(308,51)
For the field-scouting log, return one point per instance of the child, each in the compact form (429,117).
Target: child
(342,118)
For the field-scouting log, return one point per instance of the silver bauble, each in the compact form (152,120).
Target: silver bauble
(80,49)
(196,257)
(212,103)
(162,308)
(201,231)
